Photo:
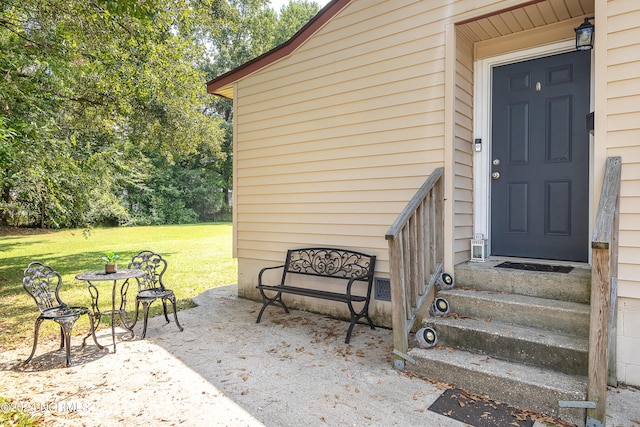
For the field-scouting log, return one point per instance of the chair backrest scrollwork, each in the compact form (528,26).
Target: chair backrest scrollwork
(153,265)
(42,283)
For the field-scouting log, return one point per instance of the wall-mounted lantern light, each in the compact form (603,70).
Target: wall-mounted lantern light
(584,35)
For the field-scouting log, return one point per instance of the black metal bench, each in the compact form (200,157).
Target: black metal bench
(330,263)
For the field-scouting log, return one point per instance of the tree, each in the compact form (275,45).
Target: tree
(90,89)
(292,17)
(104,117)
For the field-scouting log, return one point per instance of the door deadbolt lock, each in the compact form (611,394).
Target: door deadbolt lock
(495,175)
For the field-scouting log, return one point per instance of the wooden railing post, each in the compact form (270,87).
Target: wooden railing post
(604,271)
(599,334)
(398,302)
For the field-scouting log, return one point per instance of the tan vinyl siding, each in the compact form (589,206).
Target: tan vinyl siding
(334,140)
(623,129)
(357,110)
(331,150)
(621,90)
(527,39)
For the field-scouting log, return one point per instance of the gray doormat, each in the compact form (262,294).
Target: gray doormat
(535,267)
(478,411)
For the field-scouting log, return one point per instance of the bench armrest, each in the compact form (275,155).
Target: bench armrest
(265,269)
(360,278)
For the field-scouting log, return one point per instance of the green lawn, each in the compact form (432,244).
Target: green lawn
(199,258)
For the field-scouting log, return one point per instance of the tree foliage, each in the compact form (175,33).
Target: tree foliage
(104,118)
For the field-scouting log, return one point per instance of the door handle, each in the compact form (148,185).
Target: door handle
(495,175)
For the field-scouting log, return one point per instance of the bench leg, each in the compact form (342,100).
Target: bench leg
(357,316)
(266,301)
(353,323)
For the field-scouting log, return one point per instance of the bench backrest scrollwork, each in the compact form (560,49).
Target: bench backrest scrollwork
(330,262)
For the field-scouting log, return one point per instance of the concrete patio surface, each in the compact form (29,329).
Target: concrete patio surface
(226,370)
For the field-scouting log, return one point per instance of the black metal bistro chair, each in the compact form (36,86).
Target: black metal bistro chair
(151,287)
(43,283)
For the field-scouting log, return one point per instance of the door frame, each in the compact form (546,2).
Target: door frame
(482,107)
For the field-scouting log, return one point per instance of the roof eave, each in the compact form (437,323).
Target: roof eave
(220,85)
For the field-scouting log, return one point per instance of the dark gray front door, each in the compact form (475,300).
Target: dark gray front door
(540,149)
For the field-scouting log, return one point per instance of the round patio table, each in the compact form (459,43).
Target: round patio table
(100,275)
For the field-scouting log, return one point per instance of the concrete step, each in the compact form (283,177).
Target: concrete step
(573,286)
(532,346)
(553,315)
(519,385)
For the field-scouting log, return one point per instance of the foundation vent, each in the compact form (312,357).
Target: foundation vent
(382,289)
